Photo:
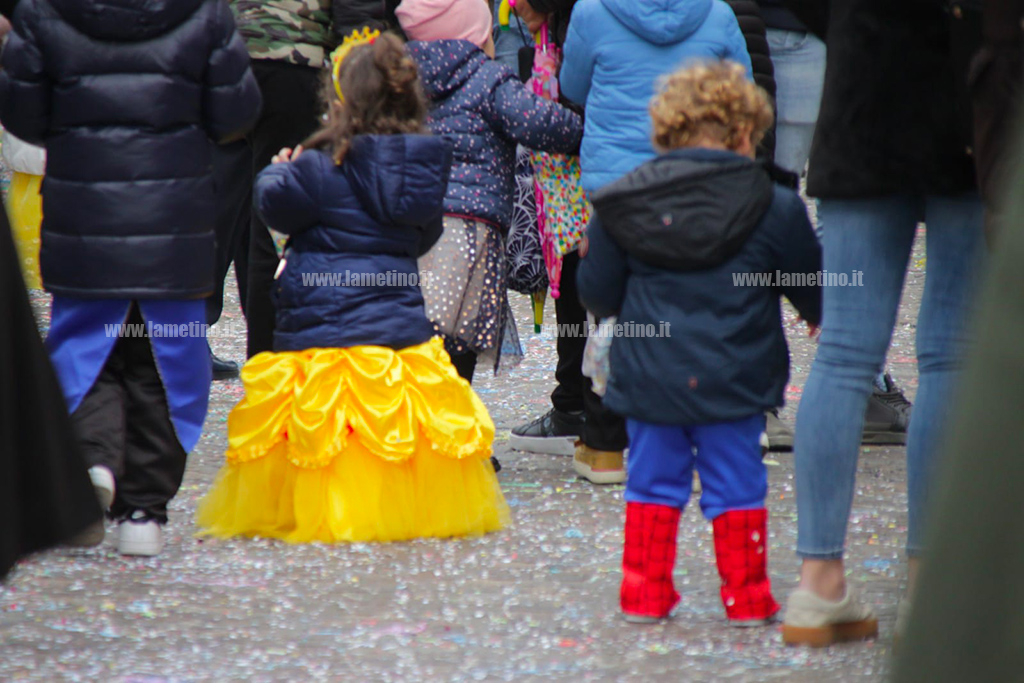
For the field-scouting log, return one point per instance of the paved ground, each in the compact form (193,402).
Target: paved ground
(536,601)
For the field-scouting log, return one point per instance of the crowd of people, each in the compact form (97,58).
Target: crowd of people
(383,137)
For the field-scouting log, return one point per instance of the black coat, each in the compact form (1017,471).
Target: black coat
(353,15)
(891,118)
(748,14)
(126,102)
(667,245)
(45,493)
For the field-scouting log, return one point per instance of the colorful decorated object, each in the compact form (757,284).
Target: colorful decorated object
(355,39)
(562,207)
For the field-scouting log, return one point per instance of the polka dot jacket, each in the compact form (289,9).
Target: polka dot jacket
(484,110)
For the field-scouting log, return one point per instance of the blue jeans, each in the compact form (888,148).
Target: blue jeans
(727,456)
(875,236)
(799,61)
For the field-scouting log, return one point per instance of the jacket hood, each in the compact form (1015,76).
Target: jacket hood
(686,210)
(661,22)
(125,20)
(445,65)
(399,179)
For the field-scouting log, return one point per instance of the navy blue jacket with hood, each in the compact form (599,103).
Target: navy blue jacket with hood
(671,243)
(126,96)
(484,110)
(373,215)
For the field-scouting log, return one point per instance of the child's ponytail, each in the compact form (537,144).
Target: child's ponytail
(376,91)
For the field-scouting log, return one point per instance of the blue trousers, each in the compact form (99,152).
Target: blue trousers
(727,456)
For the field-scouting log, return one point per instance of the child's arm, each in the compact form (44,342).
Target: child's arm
(534,122)
(799,252)
(287,194)
(231,96)
(25,88)
(601,277)
(578,62)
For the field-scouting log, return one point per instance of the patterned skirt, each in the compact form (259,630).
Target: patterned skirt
(463,282)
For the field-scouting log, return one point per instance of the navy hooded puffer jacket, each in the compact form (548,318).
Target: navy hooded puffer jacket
(126,97)
(350,276)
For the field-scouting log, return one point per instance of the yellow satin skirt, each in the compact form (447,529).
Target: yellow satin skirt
(357,444)
(25,211)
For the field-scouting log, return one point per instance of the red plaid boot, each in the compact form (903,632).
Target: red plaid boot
(647,593)
(741,550)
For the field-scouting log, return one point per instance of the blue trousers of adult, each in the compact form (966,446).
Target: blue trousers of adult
(875,236)
(727,456)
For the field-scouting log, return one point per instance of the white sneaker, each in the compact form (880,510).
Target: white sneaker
(140,535)
(103,482)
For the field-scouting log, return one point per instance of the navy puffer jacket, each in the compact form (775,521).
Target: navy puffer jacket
(669,250)
(483,108)
(126,98)
(372,216)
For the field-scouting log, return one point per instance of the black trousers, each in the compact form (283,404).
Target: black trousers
(123,423)
(291,110)
(604,430)
(232,178)
(465,364)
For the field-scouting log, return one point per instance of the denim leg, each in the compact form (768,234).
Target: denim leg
(799,61)
(874,236)
(956,259)
(732,473)
(660,466)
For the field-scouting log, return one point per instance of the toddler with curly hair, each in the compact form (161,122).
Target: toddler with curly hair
(691,251)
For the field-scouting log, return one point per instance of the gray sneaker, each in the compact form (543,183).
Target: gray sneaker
(780,436)
(817,622)
(887,416)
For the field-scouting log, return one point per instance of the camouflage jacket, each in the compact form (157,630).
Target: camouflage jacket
(296,31)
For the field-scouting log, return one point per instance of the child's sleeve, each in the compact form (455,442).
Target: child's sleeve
(231,96)
(534,122)
(602,273)
(577,63)
(25,87)
(799,252)
(287,195)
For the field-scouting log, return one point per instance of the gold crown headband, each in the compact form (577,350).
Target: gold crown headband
(357,38)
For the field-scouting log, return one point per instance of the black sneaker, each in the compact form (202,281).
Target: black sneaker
(887,416)
(223,369)
(495,464)
(554,433)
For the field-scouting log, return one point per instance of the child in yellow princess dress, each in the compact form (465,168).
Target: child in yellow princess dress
(357,427)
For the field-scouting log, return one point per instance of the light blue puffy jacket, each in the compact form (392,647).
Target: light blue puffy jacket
(615,52)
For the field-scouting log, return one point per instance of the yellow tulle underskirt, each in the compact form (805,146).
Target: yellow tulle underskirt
(357,444)
(25,211)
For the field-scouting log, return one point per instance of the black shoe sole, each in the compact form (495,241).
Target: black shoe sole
(219,376)
(884,438)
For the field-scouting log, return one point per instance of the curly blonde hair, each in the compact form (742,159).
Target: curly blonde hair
(709,101)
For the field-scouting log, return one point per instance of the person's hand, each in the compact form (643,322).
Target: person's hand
(286,154)
(5,27)
(529,16)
